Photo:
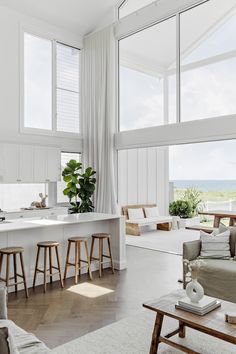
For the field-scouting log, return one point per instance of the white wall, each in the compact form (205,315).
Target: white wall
(11,23)
(143,177)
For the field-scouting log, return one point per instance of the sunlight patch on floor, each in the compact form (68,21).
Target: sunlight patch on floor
(89,290)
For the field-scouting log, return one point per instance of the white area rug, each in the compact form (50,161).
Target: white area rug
(133,336)
(165,241)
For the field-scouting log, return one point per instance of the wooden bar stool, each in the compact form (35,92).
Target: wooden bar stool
(8,252)
(48,246)
(78,241)
(100,237)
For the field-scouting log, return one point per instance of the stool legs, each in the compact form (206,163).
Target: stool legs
(78,261)
(16,275)
(101,255)
(59,267)
(110,254)
(48,253)
(67,259)
(15,272)
(50,264)
(45,270)
(88,260)
(23,275)
(36,266)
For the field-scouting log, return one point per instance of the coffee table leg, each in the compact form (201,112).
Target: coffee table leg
(181,330)
(156,333)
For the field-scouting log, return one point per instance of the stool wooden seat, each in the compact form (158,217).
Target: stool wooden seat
(48,246)
(100,237)
(78,240)
(14,251)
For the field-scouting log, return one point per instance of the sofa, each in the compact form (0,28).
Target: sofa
(217,276)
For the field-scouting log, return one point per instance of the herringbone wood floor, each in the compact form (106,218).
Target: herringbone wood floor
(61,315)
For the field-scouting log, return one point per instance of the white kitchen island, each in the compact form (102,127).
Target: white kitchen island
(28,232)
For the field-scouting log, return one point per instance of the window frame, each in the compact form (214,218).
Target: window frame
(52,132)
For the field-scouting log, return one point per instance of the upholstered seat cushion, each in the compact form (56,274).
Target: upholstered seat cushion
(147,221)
(26,343)
(218,276)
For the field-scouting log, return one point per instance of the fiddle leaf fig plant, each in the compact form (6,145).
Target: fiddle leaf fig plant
(87,183)
(80,187)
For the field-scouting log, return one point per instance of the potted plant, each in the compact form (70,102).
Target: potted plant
(80,187)
(181,208)
(86,189)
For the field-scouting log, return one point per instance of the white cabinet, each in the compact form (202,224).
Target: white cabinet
(47,164)
(10,162)
(29,164)
(26,158)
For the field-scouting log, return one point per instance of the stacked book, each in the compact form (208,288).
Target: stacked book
(201,308)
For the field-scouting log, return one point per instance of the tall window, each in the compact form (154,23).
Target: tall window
(67,89)
(37,82)
(208,60)
(44,79)
(65,157)
(206,70)
(148,77)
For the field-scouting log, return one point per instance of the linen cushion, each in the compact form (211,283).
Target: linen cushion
(4,346)
(215,245)
(151,212)
(3,301)
(135,214)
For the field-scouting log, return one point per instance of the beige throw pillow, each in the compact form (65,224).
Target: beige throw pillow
(152,212)
(136,213)
(215,245)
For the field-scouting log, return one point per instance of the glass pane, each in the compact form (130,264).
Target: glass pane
(147,77)
(37,82)
(67,111)
(67,89)
(16,196)
(65,157)
(208,60)
(130,6)
(203,166)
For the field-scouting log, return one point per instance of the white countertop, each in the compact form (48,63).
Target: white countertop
(65,219)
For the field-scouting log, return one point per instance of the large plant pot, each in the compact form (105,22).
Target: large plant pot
(189,222)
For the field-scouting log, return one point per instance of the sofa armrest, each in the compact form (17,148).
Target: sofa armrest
(191,249)
(3,302)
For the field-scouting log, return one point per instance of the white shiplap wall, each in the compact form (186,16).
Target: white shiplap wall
(143,177)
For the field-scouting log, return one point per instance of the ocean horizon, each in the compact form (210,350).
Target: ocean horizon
(206,185)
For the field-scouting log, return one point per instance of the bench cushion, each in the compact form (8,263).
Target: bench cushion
(148,221)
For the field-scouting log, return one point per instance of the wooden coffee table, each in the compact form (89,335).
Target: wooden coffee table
(212,324)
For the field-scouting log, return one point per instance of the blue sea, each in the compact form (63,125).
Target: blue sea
(207,185)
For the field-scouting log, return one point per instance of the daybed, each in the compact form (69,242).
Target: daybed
(133,225)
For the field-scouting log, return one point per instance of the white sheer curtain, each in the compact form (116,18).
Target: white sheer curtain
(98,114)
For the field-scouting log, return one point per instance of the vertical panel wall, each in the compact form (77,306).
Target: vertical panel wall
(143,177)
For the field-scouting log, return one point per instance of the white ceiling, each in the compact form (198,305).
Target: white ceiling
(78,16)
